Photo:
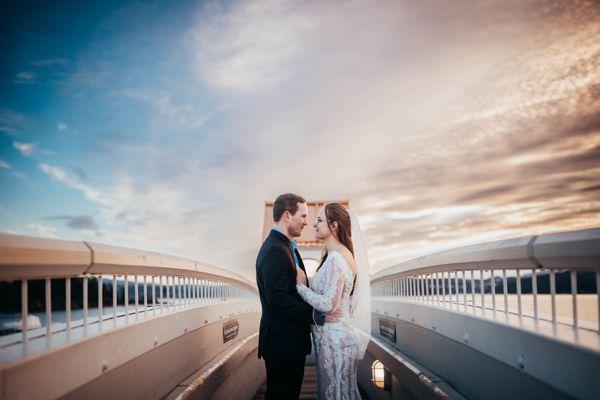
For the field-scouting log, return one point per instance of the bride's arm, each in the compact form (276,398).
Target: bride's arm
(329,300)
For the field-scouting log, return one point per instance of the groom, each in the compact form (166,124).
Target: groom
(284,339)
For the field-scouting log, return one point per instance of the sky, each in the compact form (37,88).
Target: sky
(165,126)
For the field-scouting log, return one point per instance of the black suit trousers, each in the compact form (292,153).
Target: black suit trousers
(284,378)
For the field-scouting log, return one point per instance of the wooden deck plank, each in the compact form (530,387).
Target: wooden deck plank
(309,385)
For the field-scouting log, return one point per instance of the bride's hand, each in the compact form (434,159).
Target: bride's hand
(300,276)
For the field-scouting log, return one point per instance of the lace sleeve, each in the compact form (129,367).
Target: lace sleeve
(329,300)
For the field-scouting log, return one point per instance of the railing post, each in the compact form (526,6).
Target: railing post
(553,296)
(519,305)
(145,296)
(136,293)
(598,296)
(534,293)
(473,290)
(170,293)
(114,300)
(505,292)
(482,290)
(24,315)
(48,308)
(493,289)
(444,289)
(68,306)
(179,292)
(464,285)
(195,290)
(574,297)
(85,304)
(100,300)
(437,291)
(126,297)
(186,290)
(153,296)
(456,290)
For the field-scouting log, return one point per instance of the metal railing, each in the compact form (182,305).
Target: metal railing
(141,285)
(487,279)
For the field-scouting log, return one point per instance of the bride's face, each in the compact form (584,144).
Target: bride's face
(322,231)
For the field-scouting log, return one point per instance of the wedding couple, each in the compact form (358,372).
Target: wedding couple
(334,305)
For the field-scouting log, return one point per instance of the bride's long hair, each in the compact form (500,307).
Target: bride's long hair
(336,212)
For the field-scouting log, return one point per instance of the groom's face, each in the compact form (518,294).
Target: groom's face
(298,221)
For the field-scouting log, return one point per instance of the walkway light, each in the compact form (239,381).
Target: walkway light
(378,374)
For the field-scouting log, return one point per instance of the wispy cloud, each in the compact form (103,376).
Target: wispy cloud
(27,149)
(62,176)
(250,45)
(25,77)
(44,230)
(80,222)
(185,114)
(9,130)
(5,165)
(9,121)
(51,62)
(62,127)
(139,215)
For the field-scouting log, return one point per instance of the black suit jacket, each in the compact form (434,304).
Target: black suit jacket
(286,318)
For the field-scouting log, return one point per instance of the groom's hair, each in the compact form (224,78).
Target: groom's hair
(286,202)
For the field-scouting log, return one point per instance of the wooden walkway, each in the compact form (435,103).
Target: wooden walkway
(309,385)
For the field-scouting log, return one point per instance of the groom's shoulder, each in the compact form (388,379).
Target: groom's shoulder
(271,242)
(271,245)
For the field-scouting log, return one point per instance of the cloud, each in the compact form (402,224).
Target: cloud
(9,121)
(19,175)
(5,165)
(30,149)
(25,77)
(140,215)
(249,45)
(90,74)
(62,127)
(44,230)
(51,62)
(185,114)
(81,175)
(62,176)
(80,222)
(26,149)
(9,130)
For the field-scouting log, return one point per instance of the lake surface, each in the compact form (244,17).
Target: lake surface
(587,306)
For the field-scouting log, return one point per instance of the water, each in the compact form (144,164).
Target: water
(59,318)
(587,306)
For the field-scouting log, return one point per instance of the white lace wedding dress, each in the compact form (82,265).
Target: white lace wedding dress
(335,342)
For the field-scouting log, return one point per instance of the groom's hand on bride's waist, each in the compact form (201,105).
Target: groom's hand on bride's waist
(318,317)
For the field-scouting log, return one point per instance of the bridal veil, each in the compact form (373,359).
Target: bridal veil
(360,303)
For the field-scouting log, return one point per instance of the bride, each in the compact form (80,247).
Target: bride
(340,289)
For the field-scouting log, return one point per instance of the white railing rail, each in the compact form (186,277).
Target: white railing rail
(160,283)
(466,279)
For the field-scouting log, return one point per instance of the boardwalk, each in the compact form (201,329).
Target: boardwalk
(309,385)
